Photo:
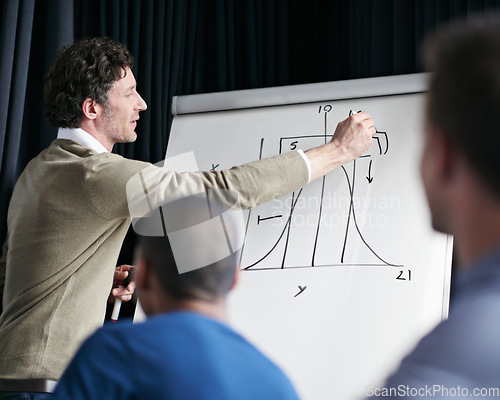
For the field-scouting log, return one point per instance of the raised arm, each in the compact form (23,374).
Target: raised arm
(148,186)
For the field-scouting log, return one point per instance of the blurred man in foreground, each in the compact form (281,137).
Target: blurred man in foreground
(460,172)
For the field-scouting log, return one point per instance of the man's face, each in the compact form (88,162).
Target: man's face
(121,113)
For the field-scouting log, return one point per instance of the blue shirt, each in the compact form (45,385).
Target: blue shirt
(461,356)
(181,355)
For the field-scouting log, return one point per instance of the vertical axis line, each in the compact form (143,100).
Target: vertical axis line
(323,179)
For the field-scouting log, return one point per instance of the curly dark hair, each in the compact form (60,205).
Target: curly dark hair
(86,69)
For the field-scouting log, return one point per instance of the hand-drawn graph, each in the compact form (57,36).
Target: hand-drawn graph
(325,215)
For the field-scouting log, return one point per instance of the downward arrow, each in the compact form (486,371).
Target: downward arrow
(369,177)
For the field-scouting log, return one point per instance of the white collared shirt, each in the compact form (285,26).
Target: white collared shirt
(82,137)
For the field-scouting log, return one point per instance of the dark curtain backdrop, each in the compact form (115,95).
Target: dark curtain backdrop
(197,46)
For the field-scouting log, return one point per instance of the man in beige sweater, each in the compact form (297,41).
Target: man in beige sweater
(68,214)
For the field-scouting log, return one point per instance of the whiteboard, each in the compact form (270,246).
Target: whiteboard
(340,279)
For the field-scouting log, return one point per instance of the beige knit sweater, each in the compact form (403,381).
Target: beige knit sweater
(67,219)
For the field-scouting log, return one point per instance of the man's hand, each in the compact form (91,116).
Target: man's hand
(352,137)
(125,293)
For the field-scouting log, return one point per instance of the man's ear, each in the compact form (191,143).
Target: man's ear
(446,156)
(236,278)
(143,274)
(145,294)
(90,108)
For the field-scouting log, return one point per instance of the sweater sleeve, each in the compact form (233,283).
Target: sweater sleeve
(115,184)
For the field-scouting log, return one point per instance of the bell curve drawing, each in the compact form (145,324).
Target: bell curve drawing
(326,211)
